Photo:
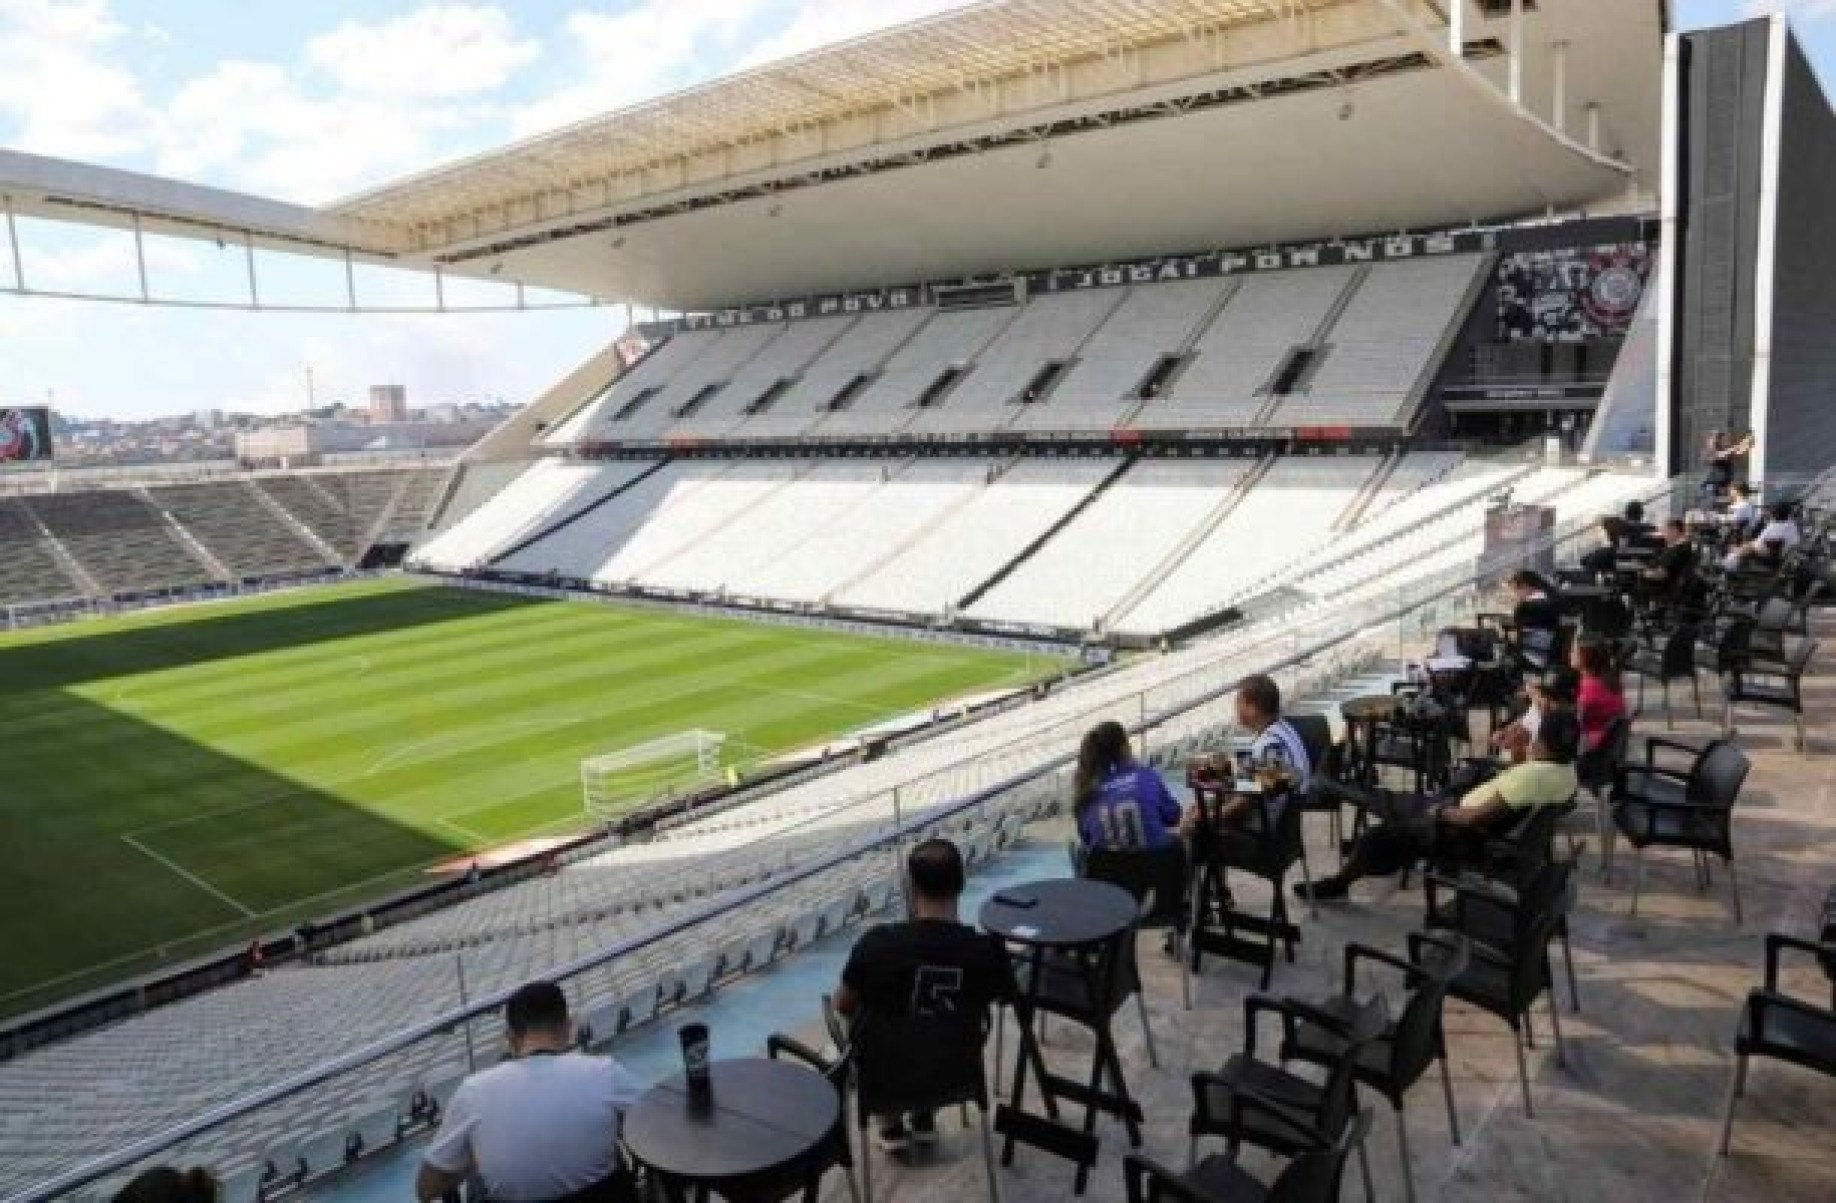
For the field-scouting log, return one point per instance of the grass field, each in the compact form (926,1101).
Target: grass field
(176,780)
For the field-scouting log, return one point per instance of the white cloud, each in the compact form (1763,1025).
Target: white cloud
(251,125)
(105,263)
(649,49)
(61,89)
(820,23)
(661,46)
(441,51)
(1797,10)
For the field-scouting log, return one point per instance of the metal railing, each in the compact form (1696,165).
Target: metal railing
(1184,703)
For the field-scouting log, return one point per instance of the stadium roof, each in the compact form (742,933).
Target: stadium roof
(1015,134)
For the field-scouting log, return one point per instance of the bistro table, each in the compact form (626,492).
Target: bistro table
(1065,928)
(762,1121)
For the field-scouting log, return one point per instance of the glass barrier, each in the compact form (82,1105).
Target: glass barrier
(358,1048)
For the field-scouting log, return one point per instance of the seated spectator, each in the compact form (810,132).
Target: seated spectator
(931,964)
(1537,615)
(1677,562)
(1779,536)
(1743,513)
(543,1124)
(168,1184)
(1601,698)
(1558,689)
(1121,804)
(1276,742)
(1433,828)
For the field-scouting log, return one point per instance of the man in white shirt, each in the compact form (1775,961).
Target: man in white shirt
(1778,537)
(1743,511)
(1274,742)
(543,1125)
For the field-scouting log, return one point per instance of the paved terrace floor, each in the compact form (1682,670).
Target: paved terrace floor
(1635,1113)
(1633,1116)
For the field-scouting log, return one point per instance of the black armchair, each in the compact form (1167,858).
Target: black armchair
(1308,1178)
(887,1080)
(1250,1101)
(1655,806)
(1750,680)
(1160,880)
(1597,768)
(1398,1057)
(1326,759)
(1776,1025)
(1674,659)
(834,1152)
(1509,933)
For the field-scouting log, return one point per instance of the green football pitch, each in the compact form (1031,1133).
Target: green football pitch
(179,779)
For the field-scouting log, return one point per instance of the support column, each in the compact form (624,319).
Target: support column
(1765,258)
(1558,105)
(1456,28)
(1670,230)
(140,259)
(1517,51)
(12,238)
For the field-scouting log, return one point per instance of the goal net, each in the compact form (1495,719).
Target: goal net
(616,783)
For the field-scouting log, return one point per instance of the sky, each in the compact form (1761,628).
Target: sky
(310,101)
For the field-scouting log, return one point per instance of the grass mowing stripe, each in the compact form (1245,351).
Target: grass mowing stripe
(287,749)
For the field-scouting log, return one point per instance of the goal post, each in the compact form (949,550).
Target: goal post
(615,783)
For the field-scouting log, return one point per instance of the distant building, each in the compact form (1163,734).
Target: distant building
(388,403)
(305,445)
(207,419)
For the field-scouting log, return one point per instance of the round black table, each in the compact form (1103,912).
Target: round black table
(1066,913)
(1074,926)
(764,1117)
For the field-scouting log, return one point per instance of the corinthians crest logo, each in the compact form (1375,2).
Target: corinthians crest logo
(19,436)
(1612,295)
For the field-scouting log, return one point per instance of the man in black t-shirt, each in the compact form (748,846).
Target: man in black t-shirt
(930,966)
(1677,562)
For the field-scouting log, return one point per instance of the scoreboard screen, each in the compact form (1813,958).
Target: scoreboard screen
(25,434)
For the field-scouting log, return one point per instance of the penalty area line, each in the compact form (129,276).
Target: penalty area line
(189,876)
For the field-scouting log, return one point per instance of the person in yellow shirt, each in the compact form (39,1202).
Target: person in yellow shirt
(1426,828)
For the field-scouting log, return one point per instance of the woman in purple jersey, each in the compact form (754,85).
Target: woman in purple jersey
(1121,804)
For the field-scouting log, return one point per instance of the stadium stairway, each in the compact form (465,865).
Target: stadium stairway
(298,525)
(912,538)
(1171,562)
(1032,549)
(619,490)
(218,569)
(31,578)
(1355,509)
